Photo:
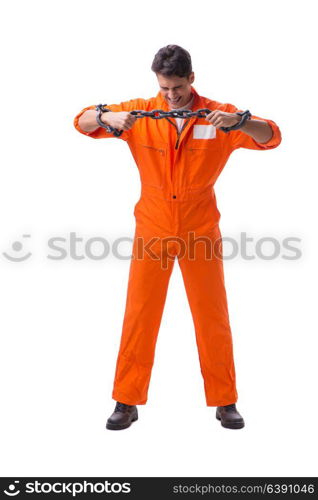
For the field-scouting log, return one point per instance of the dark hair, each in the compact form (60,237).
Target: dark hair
(172,60)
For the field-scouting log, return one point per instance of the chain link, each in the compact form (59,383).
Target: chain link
(158,114)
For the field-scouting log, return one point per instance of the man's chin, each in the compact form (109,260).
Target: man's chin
(174,106)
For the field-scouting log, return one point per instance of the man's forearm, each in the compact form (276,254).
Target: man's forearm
(87,121)
(260,130)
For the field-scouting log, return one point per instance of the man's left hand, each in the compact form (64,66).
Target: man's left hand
(222,119)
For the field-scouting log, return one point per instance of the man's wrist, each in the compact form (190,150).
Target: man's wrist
(238,117)
(103,117)
(245,125)
(245,122)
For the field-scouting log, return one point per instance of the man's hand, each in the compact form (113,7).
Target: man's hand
(260,130)
(222,119)
(122,120)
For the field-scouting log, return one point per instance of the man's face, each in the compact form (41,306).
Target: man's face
(175,90)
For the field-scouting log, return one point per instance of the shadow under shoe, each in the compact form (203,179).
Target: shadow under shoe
(122,417)
(229,417)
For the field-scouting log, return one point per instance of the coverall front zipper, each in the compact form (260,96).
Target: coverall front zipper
(176,147)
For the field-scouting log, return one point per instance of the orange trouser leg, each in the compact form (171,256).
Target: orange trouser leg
(204,283)
(146,294)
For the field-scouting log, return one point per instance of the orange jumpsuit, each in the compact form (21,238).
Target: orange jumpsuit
(177,172)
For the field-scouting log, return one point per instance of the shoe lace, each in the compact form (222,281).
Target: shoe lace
(121,406)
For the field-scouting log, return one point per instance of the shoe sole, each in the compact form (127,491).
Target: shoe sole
(233,425)
(118,427)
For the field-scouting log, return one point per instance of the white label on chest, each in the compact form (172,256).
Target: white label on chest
(204,132)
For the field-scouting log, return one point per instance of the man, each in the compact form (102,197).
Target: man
(179,161)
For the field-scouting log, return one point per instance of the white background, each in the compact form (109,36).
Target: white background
(61,320)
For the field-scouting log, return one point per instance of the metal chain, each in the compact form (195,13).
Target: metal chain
(158,114)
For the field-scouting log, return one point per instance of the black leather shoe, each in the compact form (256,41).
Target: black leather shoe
(229,416)
(122,417)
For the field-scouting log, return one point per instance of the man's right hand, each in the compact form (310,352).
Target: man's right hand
(121,120)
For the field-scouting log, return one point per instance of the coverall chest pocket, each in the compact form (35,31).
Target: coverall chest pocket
(202,161)
(152,160)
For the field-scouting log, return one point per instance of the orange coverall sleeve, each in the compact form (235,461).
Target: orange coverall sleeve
(100,132)
(238,139)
